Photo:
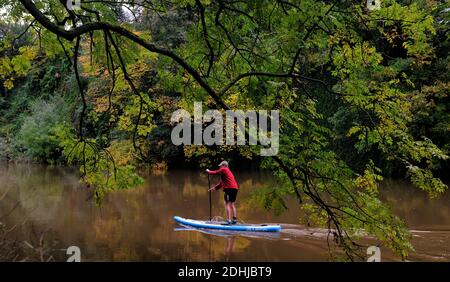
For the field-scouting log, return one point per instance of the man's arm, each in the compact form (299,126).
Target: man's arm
(214,171)
(217,186)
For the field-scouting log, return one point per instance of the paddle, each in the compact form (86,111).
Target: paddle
(210,205)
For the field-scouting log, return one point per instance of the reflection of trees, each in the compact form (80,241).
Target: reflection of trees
(130,225)
(137,224)
(19,240)
(418,210)
(37,188)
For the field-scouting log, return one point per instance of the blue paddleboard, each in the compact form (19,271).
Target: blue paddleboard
(221,226)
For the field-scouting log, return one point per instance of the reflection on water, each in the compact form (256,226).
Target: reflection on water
(137,225)
(429,219)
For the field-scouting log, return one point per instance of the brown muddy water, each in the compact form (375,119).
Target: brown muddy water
(137,225)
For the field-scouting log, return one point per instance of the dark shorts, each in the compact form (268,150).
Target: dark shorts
(230,194)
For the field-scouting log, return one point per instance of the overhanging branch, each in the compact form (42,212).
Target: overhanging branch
(93,26)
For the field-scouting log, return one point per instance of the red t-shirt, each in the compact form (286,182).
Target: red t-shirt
(227,178)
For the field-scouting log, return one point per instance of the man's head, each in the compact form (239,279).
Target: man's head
(223,163)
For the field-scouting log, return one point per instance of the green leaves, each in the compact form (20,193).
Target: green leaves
(424,179)
(37,135)
(375,86)
(368,182)
(16,66)
(97,165)
(416,28)
(349,85)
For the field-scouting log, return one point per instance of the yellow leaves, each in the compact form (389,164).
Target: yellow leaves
(121,84)
(18,65)
(246,152)
(101,104)
(122,152)
(233,99)
(369,180)
(394,81)
(144,130)
(353,130)
(8,84)
(407,80)
(139,70)
(186,77)
(21,65)
(366,183)
(127,121)
(5,66)
(439,90)
(89,69)
(29,52)
(415,31)
(313,215)
(6,69)
(354,59)
(146,35)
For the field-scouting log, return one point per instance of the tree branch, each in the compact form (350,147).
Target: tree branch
(88,27)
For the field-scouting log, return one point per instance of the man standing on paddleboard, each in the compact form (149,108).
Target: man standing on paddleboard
(230,189)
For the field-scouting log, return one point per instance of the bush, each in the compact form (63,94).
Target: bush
(36,137)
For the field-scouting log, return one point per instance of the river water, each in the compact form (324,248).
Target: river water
(137,224)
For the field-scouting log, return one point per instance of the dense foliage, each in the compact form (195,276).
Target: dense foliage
(362,94)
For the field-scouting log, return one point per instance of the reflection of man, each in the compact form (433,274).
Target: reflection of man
(229,247)
(230,189)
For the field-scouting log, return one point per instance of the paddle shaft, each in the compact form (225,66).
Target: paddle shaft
(210,204)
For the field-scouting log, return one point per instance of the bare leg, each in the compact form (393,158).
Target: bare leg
(233,209)
(228,210)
